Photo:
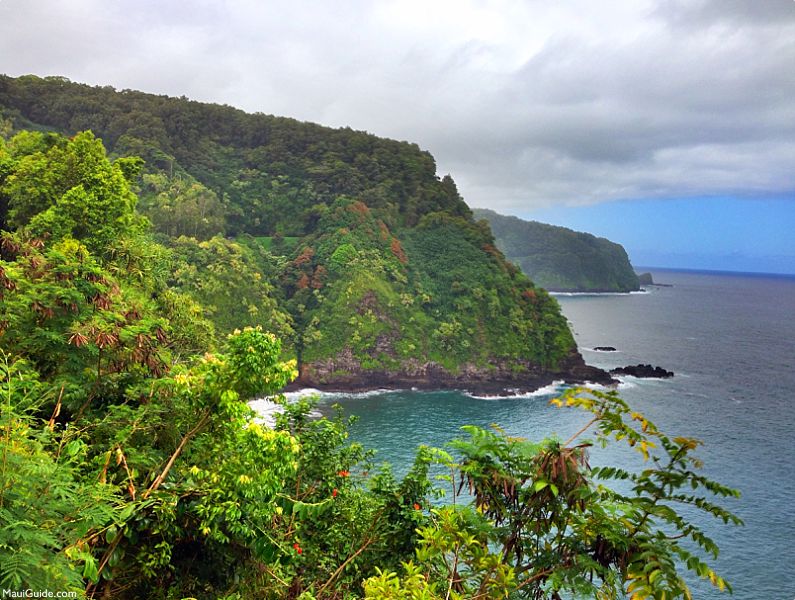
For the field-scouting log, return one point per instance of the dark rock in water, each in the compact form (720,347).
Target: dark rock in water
(605,349)
(645,279)
(642,371)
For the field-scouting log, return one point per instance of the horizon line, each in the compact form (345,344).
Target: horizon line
(714,271)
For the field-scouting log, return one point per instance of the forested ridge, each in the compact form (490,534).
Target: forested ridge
(131,465)
(266,172)
(560,259)
(347,245)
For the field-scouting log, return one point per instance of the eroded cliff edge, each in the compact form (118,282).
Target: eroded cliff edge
(344,373)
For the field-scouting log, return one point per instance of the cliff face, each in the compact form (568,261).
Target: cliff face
(435,304)
(386,278)
(562,260)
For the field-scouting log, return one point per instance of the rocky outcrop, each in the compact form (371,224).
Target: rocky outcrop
(647,280)
(344,373)
(645,371)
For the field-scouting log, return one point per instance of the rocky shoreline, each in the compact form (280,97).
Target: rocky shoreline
(499,378)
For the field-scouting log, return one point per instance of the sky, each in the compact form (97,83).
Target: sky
(664,125)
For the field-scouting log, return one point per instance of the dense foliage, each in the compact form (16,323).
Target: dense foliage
(560,259)
(233,281)
(131,465)
(267,173)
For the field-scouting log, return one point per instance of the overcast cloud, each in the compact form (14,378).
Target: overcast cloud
(526,103)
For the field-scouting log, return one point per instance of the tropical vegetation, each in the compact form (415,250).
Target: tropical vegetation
(131,465)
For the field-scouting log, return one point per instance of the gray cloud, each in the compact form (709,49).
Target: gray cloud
(701,13)
(526,103)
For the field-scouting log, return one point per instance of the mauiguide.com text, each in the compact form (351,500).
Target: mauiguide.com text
(28,593)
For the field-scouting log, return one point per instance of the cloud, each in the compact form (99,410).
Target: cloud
(705,13)
(526,103)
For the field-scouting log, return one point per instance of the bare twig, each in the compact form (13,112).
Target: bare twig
(453,573)
(56,411)
(347,561)
(584,428)
(160,478)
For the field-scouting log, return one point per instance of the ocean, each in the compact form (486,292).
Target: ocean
(729,338)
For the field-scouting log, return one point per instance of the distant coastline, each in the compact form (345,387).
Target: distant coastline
(559,259)
(723,272)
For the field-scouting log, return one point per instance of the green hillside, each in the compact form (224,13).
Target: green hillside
(348,246)
(266,172)
(132,465)
(559,259)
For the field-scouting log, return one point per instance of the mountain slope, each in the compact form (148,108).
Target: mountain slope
(387,279)
(559,259)
(268,172)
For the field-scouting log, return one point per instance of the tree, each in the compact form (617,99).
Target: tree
(182,206)
(200,499)
(73,190)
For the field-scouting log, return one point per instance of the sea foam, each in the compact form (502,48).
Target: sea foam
(556,387)
(597,294)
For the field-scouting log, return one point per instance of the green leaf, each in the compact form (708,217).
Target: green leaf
(90,571)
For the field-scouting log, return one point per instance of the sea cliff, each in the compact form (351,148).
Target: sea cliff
(559,259)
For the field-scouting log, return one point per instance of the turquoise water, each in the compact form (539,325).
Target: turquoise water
(729,338)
